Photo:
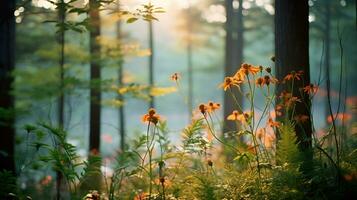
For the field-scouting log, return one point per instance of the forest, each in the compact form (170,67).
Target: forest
(178,99)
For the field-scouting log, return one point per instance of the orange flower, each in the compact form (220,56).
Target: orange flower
(268,69)
(211,107)
(260,133)
(288,99)
(229,82)
(301,118)
(163,180)
(246,69)
(175,77)
(268,80)
(273,123)
(94,152)
(142,196)
(239,77)
(311,89)
(259,81)
(202,108)
(294,76)
(235,116)
(340,116)
(46,180)
(151,116)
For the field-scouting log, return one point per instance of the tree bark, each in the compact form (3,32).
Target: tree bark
(151,62)
(7,65)
(292,54)
(61,42)
(120,82)
(95,76)
(233,56)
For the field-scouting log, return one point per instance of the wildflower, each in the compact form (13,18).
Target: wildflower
(246,69)
(294,75)
(273,123)
(94,152)
(202,108)
(301,118)
(162,180)
(340,116)
(259,81)
(142,196)
(175,77)
(209,163)
(268,69)
(151,116)
(229,82)
(272,58)
(260,133)
(310,89)
(288,99)
(268,80)
(211,107)
(260,68)
(46,180)
(235,116)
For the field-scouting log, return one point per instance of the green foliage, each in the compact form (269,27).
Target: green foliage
(287,150)
(193,139)
(7,184)
(206,188)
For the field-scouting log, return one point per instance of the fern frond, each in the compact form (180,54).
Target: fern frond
(287,148)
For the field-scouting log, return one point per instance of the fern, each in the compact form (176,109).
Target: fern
(206,188)
(193,140)
(287,148)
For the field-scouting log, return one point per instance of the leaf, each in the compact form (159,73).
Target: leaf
(131,20)
(160,91)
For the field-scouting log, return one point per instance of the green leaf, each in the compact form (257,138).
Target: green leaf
(131,20)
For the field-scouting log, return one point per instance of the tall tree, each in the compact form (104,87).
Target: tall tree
(151,60)
(61,9)
(120,82)
(233,53)
(292,54)
(7,64)
(95,76)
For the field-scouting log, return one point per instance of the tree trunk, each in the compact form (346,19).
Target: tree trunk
(292,54)
(95,76)
(120,82)
(61,42)
(233,56)
(7,65)
(151,62)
